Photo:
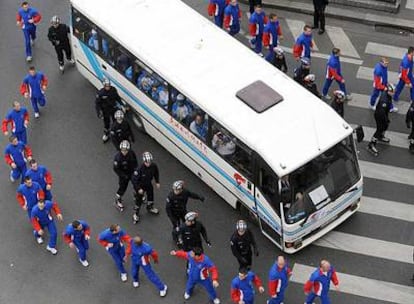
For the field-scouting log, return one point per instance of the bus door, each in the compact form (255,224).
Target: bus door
(267,201)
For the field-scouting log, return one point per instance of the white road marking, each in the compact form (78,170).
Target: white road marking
(341,40)
(397,139)
(362,100)
(410,4)
(385,50)
(395,210)
(361,286)
(367,74)
(387,173)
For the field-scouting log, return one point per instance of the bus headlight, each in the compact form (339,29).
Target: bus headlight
(354,205)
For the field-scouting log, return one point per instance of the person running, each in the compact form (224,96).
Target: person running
(304,44)
(232,18)
(242,241)
(201,271)
(319,283)
(34,86)
(18,118)
(27,18)
(190,233)
(58,35)
(272,33)
(141,254)
(41,175)
(120,130)
(333,72)
(16,154)
(113,239)
(28,194)
(279,275)
(406,75)
(257,23)
(216,9)
(77,235)
(380,80)
(382,119)
(242,291)
(41,217)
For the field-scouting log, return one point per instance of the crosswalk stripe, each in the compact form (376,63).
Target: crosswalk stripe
(362,100)
(395,210)
(385,50)
(296,27)
(410,4)
(341,41)
(387,173)
(367,246)
(360,286)
(397,139)
(367,74)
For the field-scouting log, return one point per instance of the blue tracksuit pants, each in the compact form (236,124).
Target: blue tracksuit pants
(218,20)
(207,284)
(400,86)
(20,171)
(29,34)
(36,101)
(311,297)
(149,272)
(234,29)
(51,227)
(118,254)
(257,42)
(82,246)
(374,96)
(21,136)
(327,85)
(271,54)
(279,299)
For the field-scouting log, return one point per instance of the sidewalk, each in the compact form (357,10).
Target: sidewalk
(399,20)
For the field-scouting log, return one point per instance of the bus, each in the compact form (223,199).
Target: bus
(263,143)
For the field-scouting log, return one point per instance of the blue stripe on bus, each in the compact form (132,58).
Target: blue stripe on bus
(96,66)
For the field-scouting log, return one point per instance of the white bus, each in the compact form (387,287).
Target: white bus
(262,142)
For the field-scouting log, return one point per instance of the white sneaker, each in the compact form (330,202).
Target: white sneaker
(124,277)
(61,68)
(394,110)
(32,42)
(39,240)
(52,250)
(348,97)
(37,114)
(186,296)
(260,54)
(216,301)
(372,107)
(84,263)
(72,61)
(11,177)
(105,138)
(29,58)
(163,292)
(327,97)
(135,284)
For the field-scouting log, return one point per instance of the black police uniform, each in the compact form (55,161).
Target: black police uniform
(381,114)
(124,167)
(106,104)
(121,131)
(142,179)
(338,106)
(409,120)
(60,40)
(190,236)
(241,247)
(280,63)
(176,208)
(300,73)
(311,87)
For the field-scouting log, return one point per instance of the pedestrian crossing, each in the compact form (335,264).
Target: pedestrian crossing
(380,49)
(341,40)
(386,208)
(410,4)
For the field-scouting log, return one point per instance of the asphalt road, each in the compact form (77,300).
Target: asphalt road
(67,138)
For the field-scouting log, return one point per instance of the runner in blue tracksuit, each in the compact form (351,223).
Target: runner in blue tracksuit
(112,239)
(272,34)
(42,176)
(257,22)
(242,287)
(41,218)
(278,280)
(34,85)
(333,72)
(77,235)
(141,254)
(216,9)
(27,18)
(201,270)
(380,80)
(18,118)
(28,194)
(319,283)
(232,17)
(304,44)
(406,75)
(16,154)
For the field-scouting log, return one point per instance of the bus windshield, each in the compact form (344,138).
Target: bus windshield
(320,181)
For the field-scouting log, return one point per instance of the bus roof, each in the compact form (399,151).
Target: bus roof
(210,67)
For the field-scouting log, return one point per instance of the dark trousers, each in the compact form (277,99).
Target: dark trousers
(107,118)
(245,260)
(59,52)
(319,17)
(382,126)
(123,185)
(148,191)
(176,221)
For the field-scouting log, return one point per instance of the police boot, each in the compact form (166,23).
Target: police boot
(105,136)
(118,203)
(151,209)
(136,217)
(411,147)
(372,148)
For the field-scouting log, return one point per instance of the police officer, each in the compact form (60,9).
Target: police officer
(241,243)
(310,85)
(338,102)
(58,36)
(106,103)
(382,120)
(409,120)
(279,61)
(191,231)
(142,182)
(302,71)
(176,206)
(120,130)
(125,161)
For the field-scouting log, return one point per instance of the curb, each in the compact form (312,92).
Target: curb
(343,14)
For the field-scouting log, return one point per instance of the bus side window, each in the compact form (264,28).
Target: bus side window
(123,61)
(81,26)
(199,124)
(181,108)
(268,185)
(107,50)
